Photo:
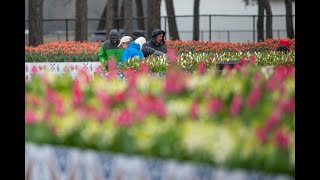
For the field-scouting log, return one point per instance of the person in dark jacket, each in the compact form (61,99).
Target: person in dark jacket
(155,43)
(283,46)
(109,49)
(131,49)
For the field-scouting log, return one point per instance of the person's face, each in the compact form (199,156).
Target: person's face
(159,38)
(114,41)
(124,45)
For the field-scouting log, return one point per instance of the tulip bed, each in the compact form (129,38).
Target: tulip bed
(241,119)
(189,53)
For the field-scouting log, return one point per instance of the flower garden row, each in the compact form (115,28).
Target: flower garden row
(242,119)
(188,52)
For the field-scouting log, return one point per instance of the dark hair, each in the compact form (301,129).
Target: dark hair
(284,49)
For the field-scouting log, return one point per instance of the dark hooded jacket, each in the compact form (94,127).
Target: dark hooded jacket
(109,50)
(152,44)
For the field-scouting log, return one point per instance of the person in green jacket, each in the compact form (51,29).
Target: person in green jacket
(109,49)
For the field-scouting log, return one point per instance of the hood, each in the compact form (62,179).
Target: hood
(114,34)
(157,32)
(134,45)
(140,41)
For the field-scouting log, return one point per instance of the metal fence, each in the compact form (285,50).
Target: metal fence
(225,28)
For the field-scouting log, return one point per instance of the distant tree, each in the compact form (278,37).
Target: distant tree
(153,16)
(121,17)
(128,17)
(81,29)
(140,15)
(35,22)
(289,21)
(269,19)
(260,20)
(102,21)
(196,20)
(173,30)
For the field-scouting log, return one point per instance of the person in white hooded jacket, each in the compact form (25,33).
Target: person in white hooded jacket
(146,49)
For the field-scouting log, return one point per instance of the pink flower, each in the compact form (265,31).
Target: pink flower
(144,68)
(119,97)
(272,120)
(252,59)
(214,106)
(288,105)
(174,82)
(104,98)
(131,77)
(261,134)
(34,70)
(112,64)
(124,118)
(98,69)
(59,106)
(194,110)
(30,117)
(201,67)
(77,94)
(282,139)
(111,74)
(157,106)
(235,105)
(254,96)
(102,114)
(172,56)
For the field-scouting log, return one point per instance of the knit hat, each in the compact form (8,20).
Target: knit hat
(140,41)
(124,39)
(284,42)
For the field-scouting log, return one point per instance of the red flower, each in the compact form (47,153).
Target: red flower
(261,134)
(77,94)
(214,106)
(235,105)
(124,117)
(254,96)
(201,67)
(30,117)
(194,110)
(272,120)
(282,139)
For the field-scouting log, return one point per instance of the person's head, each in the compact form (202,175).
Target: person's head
(284,42)
(114,36)
(283,46)
(158,35)
(125,41)
(140,41)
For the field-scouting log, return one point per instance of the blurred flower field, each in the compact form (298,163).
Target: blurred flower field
(243,118)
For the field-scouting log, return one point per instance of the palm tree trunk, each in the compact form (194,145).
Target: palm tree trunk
(289,21)
(81,29)
(35,22)
(109,17)
(173,30)
(153,16)
(196,20)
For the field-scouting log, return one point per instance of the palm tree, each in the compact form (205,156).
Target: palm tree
(196,20)
(81,29)
(35,22)
(289,21)
(173,30)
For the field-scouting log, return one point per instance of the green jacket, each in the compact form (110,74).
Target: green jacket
(109,50)
(106,51)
